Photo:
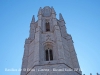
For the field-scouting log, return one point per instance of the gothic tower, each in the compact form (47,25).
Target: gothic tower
(49,48)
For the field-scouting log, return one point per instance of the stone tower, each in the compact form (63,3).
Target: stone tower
(49,48)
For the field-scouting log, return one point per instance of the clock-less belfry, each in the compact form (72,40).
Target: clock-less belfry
(49,48)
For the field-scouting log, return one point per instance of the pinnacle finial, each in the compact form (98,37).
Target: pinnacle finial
(90,73)
(53,11)
(60,17)
(33,19)
(40,11)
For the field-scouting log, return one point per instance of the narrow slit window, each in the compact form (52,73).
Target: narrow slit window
(47,26)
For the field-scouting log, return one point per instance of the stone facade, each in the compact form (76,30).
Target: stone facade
(49,47)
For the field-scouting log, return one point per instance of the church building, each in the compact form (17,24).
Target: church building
(49,49)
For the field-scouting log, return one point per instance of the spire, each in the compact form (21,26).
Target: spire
(40,11)
(60,17)
(53,11)
(33,19)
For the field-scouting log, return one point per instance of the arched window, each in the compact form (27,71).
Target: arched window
(48,53)
(47,25)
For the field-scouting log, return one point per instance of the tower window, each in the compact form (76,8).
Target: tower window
(47,58)
(49,54)
(47,26)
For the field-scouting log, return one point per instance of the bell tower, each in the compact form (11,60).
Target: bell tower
(49,49)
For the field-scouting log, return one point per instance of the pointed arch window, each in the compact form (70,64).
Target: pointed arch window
(48,53)
(47,25)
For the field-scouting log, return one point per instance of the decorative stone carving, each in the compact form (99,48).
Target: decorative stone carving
(46,11)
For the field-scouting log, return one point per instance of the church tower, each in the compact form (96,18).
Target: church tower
(49,48)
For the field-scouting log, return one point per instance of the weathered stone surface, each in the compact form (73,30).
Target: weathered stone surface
(57,39)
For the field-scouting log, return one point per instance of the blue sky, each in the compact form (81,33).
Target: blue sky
(82,19)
